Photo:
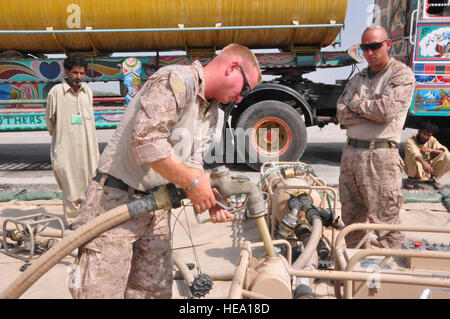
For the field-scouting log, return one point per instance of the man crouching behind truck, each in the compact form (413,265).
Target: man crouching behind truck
(425,158)
(373,108)
(133,260)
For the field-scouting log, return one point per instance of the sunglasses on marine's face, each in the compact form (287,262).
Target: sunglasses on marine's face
(372,46)
(245,86)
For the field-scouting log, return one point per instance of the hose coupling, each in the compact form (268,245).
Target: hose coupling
(49,243)
(161,197)
(289,172)
(294,203)
(327,216)
(15,235)
(302,231)
(288,224)
(290,221)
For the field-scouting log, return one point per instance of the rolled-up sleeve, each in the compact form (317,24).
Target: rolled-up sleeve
(154,123)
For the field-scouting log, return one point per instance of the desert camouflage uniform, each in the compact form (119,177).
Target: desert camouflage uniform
(168,116)
(129,261)
(370,178)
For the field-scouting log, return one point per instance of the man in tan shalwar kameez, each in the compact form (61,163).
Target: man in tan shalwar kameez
(425,158)
(70,122)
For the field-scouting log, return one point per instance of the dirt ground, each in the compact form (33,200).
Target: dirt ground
(217,246)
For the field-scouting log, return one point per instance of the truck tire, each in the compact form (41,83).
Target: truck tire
(255,141)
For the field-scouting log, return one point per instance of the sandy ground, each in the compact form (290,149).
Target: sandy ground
(217,246)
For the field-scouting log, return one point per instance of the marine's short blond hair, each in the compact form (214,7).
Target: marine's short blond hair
(376,27)
(248,57)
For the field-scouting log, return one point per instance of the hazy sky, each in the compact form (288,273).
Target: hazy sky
(359,16)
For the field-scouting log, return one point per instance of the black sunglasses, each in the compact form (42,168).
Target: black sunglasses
(372,46)
(245,87)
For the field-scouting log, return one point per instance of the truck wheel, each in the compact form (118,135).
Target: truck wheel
(270,131)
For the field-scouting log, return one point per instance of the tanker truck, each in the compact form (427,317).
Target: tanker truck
(276,113)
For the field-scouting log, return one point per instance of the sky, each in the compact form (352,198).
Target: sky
(359,16)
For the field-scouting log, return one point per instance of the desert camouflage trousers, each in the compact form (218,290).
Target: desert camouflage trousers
(370,186)
(132,260)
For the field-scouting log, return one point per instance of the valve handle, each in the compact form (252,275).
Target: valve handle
(229,208)
(197,217)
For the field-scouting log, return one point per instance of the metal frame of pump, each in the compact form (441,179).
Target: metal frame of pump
(25,239)
(275,276)
(300,202)
(241,288)
(264,272)
(436,274)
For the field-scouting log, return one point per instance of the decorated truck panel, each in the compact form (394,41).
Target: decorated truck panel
(420,30)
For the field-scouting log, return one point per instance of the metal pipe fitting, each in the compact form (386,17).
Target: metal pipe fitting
(231,185)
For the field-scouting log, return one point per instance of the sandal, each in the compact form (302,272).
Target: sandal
(436,185)
(409,183)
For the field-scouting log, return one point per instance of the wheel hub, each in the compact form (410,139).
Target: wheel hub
(271,136)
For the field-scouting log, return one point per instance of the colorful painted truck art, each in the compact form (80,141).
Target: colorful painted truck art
(432,69)
(420,33)
(433,43)
(25,83)
(32,79)
(430,98)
